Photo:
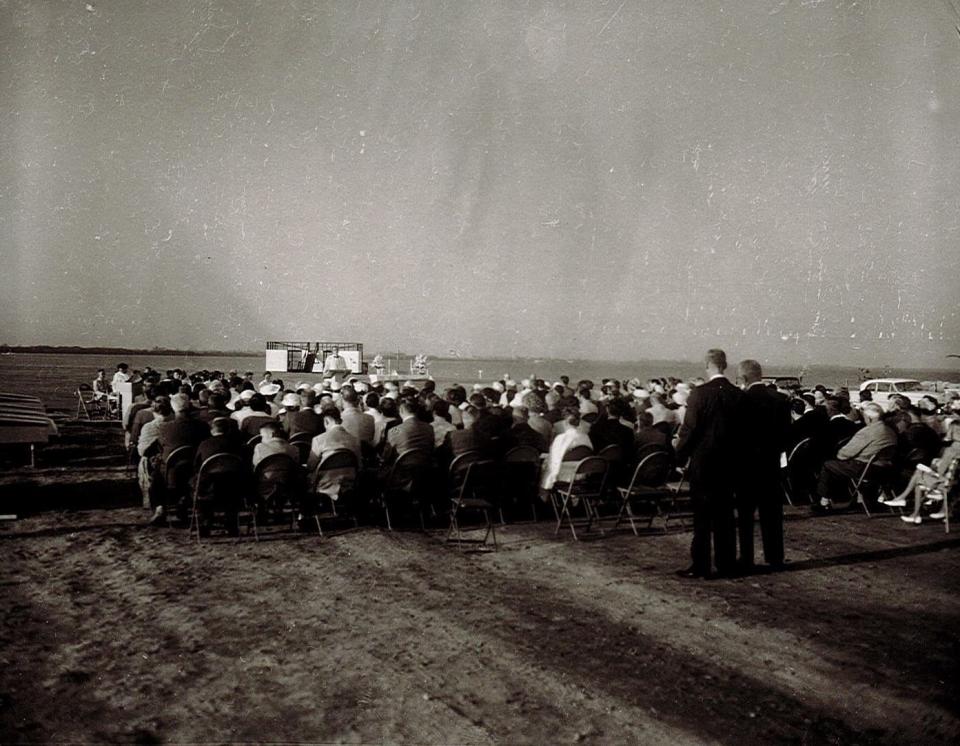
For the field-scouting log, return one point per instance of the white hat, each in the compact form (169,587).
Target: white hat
(302,385)
(588,407)
(269,389)
(641,393)
(318,387)
(498,387)
(291,400)
(247,394)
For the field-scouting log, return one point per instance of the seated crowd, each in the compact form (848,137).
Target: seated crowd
(215,413)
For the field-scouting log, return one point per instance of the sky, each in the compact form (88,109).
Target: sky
(611,180)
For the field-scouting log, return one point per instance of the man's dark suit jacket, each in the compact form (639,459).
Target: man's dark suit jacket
(608,432)
(208,415)
(214,445)
(838,429)
(455,443)
(303,421)
(521,434)
(411,433)
(710,436)
(814,425)
(765,427)
(182,430)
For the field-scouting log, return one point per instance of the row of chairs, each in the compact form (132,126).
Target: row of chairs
(473,484)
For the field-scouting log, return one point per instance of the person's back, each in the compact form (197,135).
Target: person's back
(411,433)
(710,439)
(273,443)
(334,438)
(766,431)
(182,430)
(359,424)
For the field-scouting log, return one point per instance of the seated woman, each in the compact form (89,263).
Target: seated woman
(930,477)
(566,441)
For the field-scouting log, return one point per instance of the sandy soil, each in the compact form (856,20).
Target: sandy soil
(116,632)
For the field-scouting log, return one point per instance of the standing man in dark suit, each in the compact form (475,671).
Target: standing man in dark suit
(709,438)
(765,427)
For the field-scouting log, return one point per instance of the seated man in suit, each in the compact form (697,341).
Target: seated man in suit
(334,437)
(615,430)
(412,432)
(521,434)
(259,416)
(355,421)
(223,438)
(273,441)
(840,428)
(874,439)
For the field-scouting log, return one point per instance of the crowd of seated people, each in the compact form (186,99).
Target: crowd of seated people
(213,412)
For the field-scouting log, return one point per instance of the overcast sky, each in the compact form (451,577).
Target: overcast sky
(620,180)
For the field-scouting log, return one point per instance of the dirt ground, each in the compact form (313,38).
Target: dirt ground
(117,632)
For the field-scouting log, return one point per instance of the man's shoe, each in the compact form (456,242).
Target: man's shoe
(915,519)
(894,502)
(159,517)
(939,515)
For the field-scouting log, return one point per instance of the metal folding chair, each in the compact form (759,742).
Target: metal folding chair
(302,442)
(222,483)
(873,477)
(648,485)
(798,474)
(474,487)
(405,482)
(339,471)
(945,492)
(88,401)
(521,476)
(586,486)
(279,482)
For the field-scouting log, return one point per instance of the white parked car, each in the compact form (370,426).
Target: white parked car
(882,388)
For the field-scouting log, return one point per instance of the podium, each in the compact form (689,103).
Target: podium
(126,394)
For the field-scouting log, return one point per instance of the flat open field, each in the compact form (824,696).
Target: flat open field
(116,632)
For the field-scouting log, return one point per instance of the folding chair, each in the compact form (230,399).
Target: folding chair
(279,482)
(221,486)
(88,401)
(335,478)
(474,483)
(177,470)
(302,442)
(798,475)
(586,485)
(405,481)
(521,476)
(945,492)
(648,485)
(613,455)
(873,478)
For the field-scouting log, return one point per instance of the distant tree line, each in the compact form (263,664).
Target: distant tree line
(166,351)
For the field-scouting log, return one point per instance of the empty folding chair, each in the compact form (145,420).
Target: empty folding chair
(648,486)
(475,486)
(799,474)
(521,477)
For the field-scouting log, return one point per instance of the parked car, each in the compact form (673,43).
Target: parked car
(882,388)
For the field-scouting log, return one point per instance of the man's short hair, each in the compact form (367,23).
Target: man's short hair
(534,403)
(717,358)
(180,402)
(408,406)
(333,413)
(349,394)
(273,429)
(750,369)
(872,410)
